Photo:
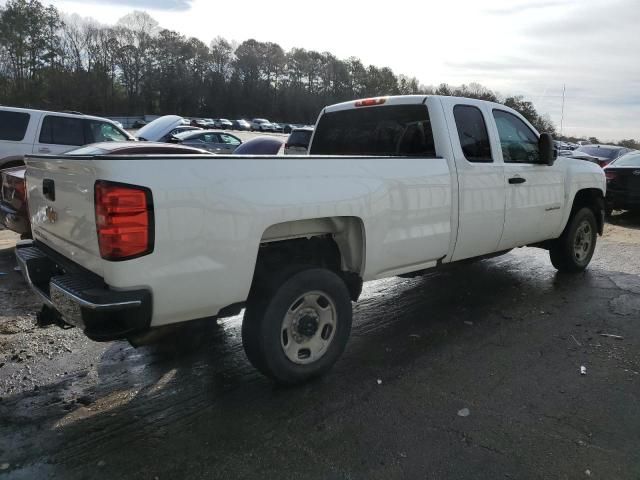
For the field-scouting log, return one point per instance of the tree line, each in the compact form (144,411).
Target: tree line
(136,67)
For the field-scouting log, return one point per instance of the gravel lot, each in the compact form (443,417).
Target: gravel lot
(470,372)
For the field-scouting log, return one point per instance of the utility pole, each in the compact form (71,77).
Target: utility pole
(564,87)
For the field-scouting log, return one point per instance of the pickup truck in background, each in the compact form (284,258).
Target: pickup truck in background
(392,186)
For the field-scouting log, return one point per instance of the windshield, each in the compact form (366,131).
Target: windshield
(631,159)
(604,152)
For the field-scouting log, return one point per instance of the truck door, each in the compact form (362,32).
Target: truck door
(535,191)
(481,200)
(59,134)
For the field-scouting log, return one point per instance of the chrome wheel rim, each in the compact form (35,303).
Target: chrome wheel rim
(308,327)
(583,242)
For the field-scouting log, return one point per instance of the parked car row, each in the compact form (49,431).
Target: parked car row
(254,125)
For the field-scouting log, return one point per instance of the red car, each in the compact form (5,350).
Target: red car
(14,213)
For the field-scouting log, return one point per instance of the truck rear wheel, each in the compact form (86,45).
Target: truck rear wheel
(572,252)
(299,325)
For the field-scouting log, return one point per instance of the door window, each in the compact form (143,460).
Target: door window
(62,131)
(472,132)
(210,138)
(13,125)
(519,143)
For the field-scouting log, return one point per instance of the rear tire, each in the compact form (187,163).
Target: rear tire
(572,252)
(298,325)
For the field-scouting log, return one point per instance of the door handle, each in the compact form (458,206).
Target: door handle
(44,150)
(516,180)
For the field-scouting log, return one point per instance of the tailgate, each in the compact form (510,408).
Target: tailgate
(60,195)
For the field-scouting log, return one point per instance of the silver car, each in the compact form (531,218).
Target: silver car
(211,140)
(261,125)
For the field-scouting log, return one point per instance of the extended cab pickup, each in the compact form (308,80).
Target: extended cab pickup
(392,186)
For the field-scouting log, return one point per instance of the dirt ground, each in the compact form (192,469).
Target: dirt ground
(469,372)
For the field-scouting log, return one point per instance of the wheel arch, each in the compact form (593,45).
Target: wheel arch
(336,243)
(592,198)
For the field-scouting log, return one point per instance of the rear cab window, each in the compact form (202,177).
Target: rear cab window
(389,130)
(472,133)
(13,125)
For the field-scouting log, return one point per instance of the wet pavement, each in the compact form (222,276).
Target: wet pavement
(470,372)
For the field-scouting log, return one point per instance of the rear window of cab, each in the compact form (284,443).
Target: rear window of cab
(390,130)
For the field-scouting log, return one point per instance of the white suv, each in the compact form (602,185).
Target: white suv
(261,125)
(24,131)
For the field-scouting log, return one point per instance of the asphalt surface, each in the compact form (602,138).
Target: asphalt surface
(469,372)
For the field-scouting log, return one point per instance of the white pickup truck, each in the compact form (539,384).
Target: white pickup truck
(123,247)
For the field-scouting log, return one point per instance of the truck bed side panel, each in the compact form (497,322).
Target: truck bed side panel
(211,214)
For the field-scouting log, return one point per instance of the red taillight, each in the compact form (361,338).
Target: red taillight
(610,175)
(370,102)
(124,220)
(21,189)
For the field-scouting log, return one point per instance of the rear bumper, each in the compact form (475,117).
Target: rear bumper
(14,220)
(81,297)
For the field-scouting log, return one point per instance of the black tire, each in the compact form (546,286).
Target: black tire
(563,253)
(263,325)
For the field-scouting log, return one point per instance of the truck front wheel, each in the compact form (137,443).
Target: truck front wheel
(297,327)
(572,252)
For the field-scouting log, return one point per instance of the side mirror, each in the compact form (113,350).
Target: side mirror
(546,147)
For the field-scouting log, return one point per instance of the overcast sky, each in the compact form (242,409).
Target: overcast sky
(524,47)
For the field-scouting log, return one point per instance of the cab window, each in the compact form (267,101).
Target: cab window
(472,132)
(519,143)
